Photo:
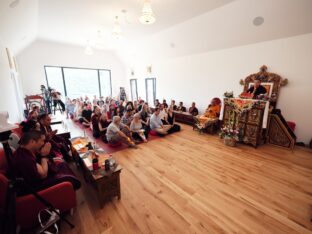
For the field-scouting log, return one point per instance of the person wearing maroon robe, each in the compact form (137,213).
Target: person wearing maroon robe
(59,144)
(31,162)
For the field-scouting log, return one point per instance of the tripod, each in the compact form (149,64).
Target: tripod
(8,224)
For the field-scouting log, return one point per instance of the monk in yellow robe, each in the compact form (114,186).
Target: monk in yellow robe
(211,115)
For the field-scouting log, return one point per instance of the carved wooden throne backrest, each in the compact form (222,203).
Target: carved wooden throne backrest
(265,77)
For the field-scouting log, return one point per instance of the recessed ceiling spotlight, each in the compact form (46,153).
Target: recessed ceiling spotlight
(14,3)
(259,20)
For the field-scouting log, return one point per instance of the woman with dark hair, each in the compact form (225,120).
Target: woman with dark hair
(103,124)
(171,121)
(95,119)
(129,106)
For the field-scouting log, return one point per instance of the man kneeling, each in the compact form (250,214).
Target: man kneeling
(157,125)
(118,132)
(31,161)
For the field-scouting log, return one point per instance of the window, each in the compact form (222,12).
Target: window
(55,80)
(150,86)
(76,82)
(134,89)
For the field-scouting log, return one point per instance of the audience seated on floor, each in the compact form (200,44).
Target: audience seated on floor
(138,131)
(119,133)
(181,107)
(193,109)
(32,162)
(157,125)
(211,114)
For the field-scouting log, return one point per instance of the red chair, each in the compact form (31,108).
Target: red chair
(27,206)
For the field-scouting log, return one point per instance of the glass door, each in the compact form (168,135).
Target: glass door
(150,86)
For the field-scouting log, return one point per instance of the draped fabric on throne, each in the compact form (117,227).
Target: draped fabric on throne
(240,105)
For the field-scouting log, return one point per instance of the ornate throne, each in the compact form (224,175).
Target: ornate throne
(278,131)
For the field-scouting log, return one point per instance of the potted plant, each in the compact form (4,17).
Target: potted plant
(229,135)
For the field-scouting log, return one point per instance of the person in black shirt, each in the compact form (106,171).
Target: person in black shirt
(165,104)
(257,89)
(86,115)
(193,110)
(173,105)
(181,107)
(171,120)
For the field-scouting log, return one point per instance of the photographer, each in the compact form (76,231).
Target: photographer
(47,98)
(56,97)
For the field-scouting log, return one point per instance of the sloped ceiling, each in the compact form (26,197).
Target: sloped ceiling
(18,25)
(183,26)
(225,27)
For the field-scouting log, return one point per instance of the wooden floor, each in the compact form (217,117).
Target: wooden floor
(191,183)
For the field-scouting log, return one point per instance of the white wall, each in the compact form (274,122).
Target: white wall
(201,77)
(32,60)
(7,93)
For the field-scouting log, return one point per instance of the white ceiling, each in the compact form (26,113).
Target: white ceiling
(182,26)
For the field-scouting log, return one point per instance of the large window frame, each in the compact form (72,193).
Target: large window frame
(134,96)
(154,89)
(64,80)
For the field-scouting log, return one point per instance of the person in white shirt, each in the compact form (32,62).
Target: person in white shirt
(157,125)
(118,132)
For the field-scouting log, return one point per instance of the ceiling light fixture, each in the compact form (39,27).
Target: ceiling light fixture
(89,49)
(117,29)
(147,13)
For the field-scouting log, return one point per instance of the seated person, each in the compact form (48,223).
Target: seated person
(173,105)
(135,107)
(157,125)
(145,113)
(95,119)
(257,89)
(103,124)
(211,115)
(34,113)
(129,106)
(59,144)
(100,102)
(165,104)
(181,107)
(171,121)
(157,103)
(127,117)
(193,110)
(70,108)
(136,127)
(29,125)
(118,132)
(31,162)
(86,114)
(163,113)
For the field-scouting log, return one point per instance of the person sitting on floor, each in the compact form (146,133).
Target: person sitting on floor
(31,162)
(157,103)
(70,108)
(119,133)
(157,125)
(136,127)
(127,117)
(181,108)
(95,119)
(193,110)
(171,121)
(165,103)
(173,105)
(211,115)
(103,124)
(86,115)
(145,113)
(135,106)
(163,113)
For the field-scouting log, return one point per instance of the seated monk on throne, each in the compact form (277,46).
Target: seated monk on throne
(257,89)
(210,116)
